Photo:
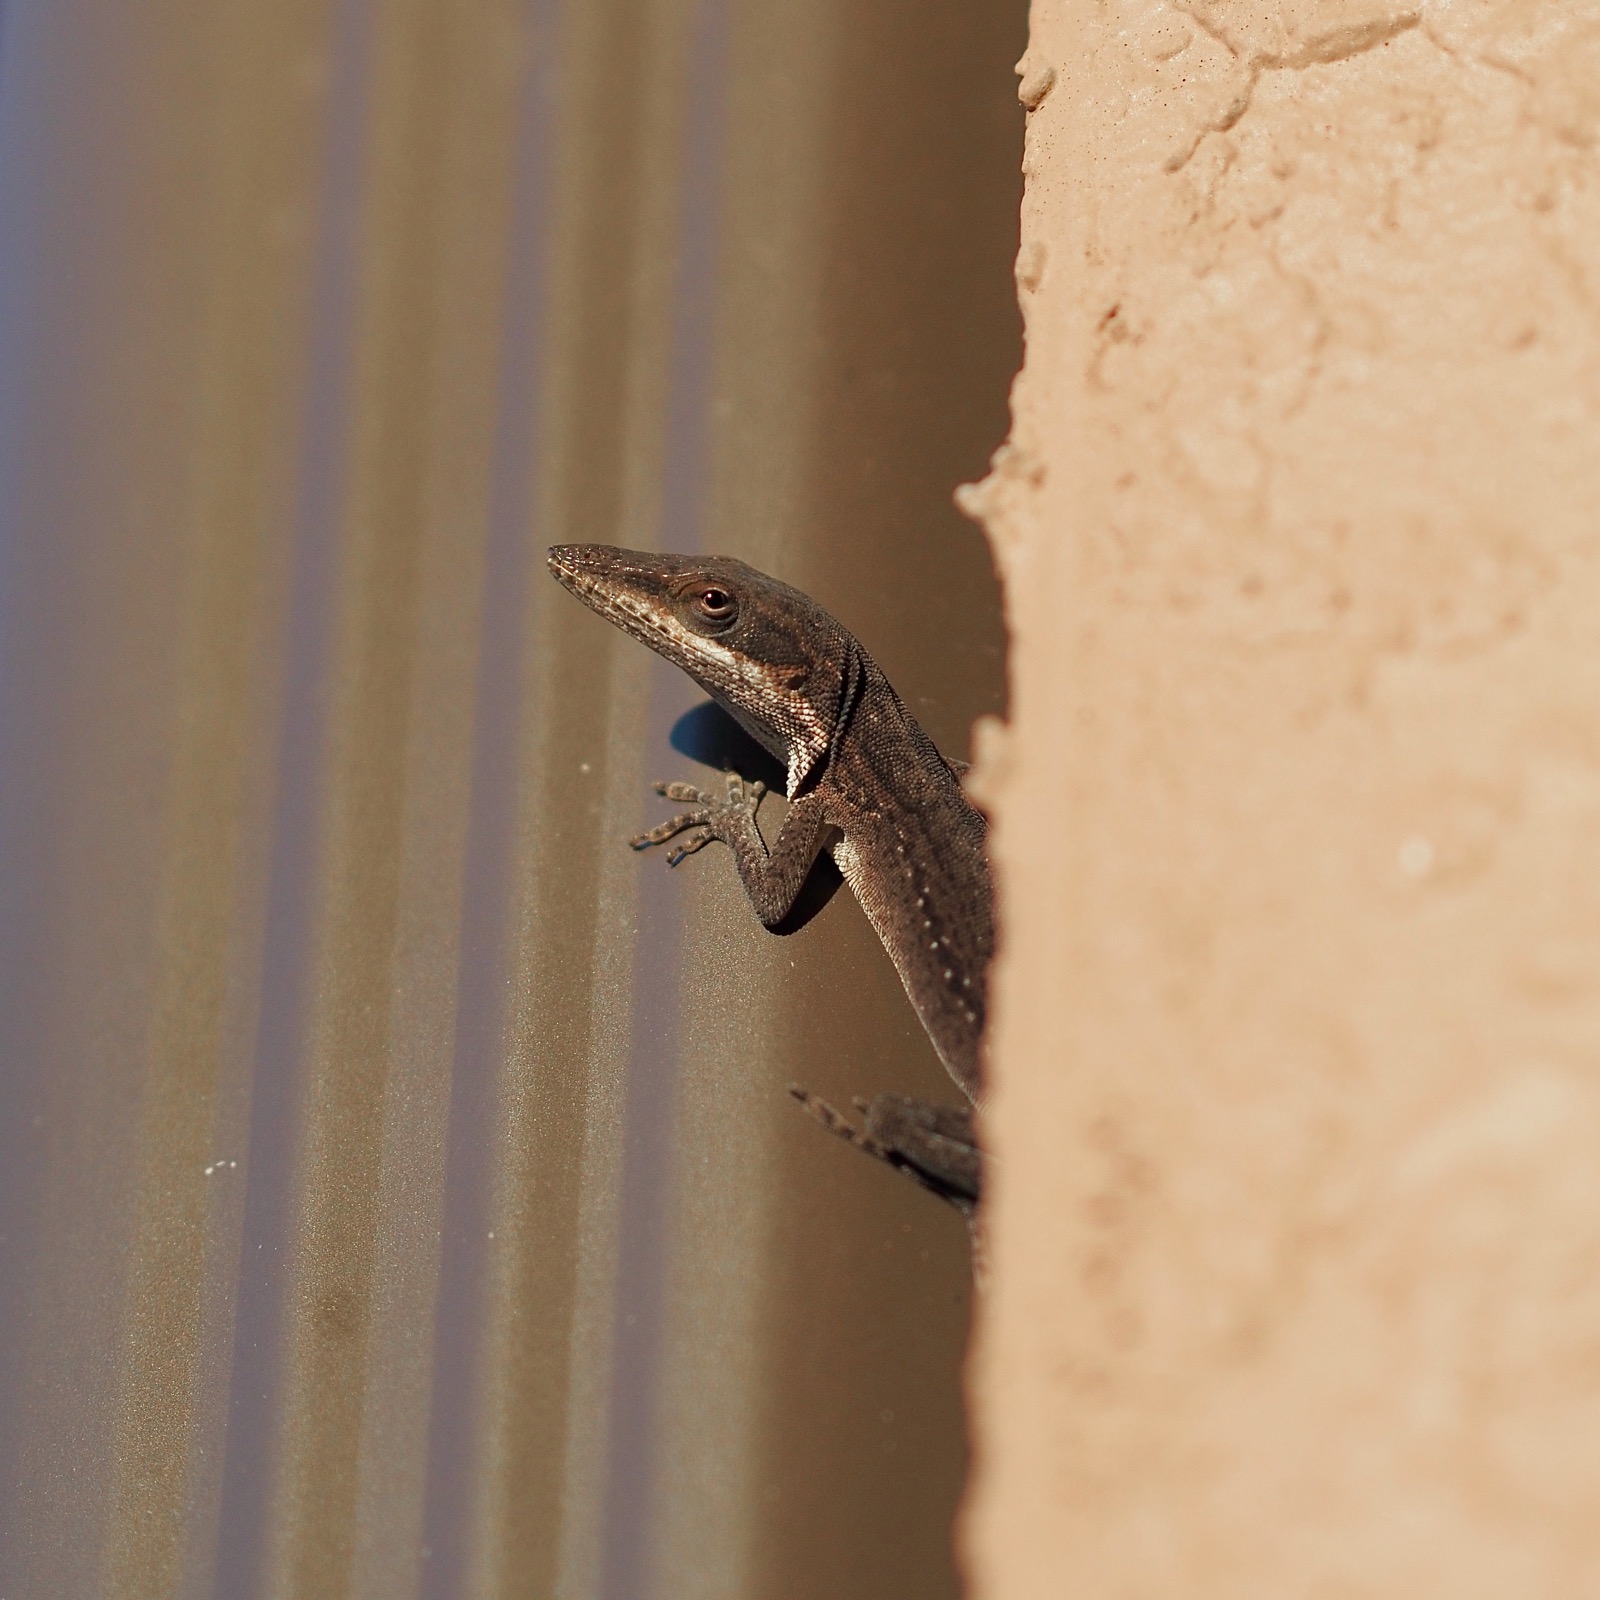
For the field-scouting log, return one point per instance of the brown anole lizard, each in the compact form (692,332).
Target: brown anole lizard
(865,784)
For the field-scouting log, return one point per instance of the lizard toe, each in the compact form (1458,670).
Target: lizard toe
(696,840)
(684,794)
(835,1121)
(670,829)
(744,793)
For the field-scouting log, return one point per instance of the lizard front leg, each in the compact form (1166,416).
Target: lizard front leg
(772,878)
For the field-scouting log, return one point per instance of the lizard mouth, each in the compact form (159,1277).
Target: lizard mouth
(577,567)
(623,593)
(595,579)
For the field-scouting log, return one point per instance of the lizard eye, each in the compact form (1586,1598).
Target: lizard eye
(716,604)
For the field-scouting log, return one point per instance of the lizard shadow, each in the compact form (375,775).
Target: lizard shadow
(707,734)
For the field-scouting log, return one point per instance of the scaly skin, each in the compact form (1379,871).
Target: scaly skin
(865,784)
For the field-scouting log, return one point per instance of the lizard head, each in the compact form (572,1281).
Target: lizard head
(770,657)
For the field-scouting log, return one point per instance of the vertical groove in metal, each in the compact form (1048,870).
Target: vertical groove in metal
(255,1393)
(25,123)
(633,1454)
(455,1469)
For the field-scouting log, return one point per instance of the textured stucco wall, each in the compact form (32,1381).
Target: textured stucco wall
(1296,1228)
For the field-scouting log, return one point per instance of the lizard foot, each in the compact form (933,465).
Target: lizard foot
(837,1123)
(711,818)
(935,1146)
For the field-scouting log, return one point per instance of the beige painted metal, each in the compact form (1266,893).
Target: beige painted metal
(1296,1232)
(399,1192)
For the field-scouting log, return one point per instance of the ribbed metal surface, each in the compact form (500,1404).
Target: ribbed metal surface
(398,1195)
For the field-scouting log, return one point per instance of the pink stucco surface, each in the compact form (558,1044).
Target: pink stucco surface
(1295,1238)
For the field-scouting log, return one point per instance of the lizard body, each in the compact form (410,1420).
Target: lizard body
(865,784)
